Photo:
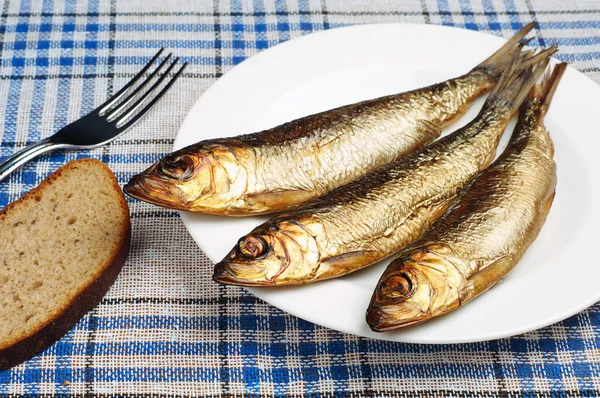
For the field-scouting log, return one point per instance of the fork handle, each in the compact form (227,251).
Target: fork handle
(17,159)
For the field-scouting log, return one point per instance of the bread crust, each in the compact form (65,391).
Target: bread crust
(48,333)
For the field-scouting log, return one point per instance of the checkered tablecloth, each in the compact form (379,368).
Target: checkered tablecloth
(165,328)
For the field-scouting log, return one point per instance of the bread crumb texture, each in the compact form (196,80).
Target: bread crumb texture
(55,242)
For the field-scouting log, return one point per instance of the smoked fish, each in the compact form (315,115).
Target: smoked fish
(485,232)
(376,215)
(276,169)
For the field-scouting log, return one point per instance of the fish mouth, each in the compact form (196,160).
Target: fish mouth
(223,275)
(137,188)
(379,322)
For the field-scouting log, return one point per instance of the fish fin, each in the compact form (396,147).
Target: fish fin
(548,203)
(501,59)
(544,91)
(346,263)
(517,80)
(485,278)
(279,200)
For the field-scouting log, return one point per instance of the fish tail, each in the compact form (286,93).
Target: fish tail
(501,59)
(544,91)
(517,80)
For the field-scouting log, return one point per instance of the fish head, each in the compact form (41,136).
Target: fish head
(419,284)
(279,252)
(204,177)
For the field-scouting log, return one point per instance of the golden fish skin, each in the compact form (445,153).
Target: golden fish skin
(276,169)
(372,217)
(483,235)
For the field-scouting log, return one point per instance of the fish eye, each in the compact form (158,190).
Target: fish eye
(396,286)
(180,167)
(252,246)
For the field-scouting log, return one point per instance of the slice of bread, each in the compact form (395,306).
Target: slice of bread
(62,245)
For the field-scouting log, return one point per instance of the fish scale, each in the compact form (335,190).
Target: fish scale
(364,131)
(396,184)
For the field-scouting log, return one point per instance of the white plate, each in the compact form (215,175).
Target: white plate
(559,274)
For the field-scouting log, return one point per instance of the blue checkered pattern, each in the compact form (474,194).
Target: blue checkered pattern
(165,328)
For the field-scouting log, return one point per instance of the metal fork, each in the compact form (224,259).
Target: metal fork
(105,123)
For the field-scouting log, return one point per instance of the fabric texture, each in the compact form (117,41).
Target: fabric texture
(165,328)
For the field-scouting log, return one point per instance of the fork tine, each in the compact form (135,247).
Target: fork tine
(115,98)
(154,100)
(131,111)
(123,105)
